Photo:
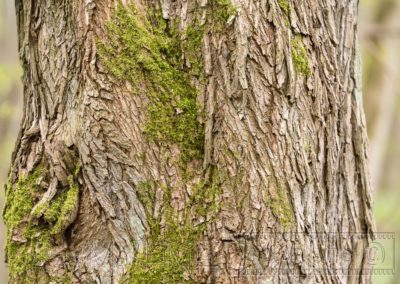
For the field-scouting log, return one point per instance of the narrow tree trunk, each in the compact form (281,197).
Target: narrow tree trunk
(178,146)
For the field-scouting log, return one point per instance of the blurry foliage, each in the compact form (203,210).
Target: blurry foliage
(380,42)
(9,76)
(9,79)
(10,110)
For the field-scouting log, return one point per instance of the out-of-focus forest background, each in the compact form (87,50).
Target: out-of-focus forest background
(380,43)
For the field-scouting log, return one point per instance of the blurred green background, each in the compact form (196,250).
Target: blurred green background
(379,33)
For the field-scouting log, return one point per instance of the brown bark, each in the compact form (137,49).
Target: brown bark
(284,128)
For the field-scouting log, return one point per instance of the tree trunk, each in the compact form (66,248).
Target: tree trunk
(176,142)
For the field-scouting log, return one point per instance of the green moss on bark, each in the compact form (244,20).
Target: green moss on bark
(27,244)
(24,259)
(300,56)
(65,208)
(160,61)
(53,211)
(280,206)
(19,198)
(30,232)
(149,57)
(146,195)
(284,5)
(170,255)
(220,13)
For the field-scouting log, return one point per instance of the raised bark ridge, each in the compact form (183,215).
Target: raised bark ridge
(272,86)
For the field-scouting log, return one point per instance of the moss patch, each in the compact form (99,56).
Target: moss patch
(25,259)
(27,244)
(65,208)
(146,195)
(220,11)
(280,205)
(161,61)
(19,198)
(30,233)
(282,209)
(149,57)
(300,56)
(284,5)
(53,211)
(170,256)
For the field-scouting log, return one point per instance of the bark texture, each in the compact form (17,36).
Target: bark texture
(284,149)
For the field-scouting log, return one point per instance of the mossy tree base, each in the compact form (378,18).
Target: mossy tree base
(35,230)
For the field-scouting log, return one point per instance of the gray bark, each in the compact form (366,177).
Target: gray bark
(284,127)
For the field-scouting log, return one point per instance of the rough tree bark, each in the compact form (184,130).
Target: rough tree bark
(112,168)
